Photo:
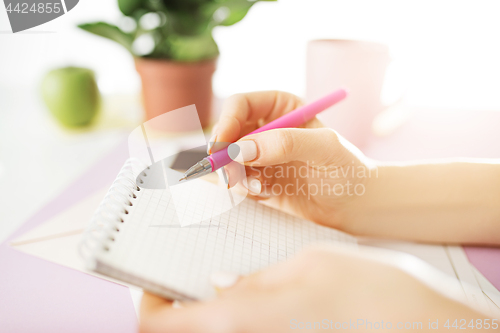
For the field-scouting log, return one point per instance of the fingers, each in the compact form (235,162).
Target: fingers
(317,146)
(242,113)
(253,185)
(198,317)
(224,280)
(234,173)
(158,316)
(152,307)
(251,180)
(151,303)
(240,301)
(270,278)
(258,181)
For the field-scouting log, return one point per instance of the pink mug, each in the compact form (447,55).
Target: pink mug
(356,66)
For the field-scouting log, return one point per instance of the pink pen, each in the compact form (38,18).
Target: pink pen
(292,119)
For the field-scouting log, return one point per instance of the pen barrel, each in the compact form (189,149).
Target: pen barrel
(219,159)
(304,113)
(292,119)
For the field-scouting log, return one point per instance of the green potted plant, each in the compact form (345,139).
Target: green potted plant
(173,48)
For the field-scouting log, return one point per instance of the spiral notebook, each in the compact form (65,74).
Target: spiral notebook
(135,237)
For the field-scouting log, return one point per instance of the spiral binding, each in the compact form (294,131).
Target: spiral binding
(110,214)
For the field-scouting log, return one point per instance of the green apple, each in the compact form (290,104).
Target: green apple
(71,95)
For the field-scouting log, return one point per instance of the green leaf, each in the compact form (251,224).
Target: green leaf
(192,48)
(184,5)
(128,7)
(189,24)
(110,31)
(186,32)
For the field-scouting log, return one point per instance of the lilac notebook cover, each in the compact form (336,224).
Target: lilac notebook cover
(487,261)
(39,296)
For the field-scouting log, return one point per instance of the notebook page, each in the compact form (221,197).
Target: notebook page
(151,245)
(197,200)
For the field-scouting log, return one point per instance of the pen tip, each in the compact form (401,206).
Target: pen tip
(183,178)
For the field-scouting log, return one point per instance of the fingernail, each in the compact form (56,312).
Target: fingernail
(243,151)
(177,305)
(223,280)
(211,143)
(253,185)
(224,176)
(214,128)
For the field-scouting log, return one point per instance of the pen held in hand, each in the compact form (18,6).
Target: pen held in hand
(292,119)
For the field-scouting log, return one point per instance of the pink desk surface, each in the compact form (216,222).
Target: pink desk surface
(436,134)
(38,296)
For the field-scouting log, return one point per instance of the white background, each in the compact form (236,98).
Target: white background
(446,50)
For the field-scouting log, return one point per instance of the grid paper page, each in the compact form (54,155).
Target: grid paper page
(193,201)
(246,238)
(197,200)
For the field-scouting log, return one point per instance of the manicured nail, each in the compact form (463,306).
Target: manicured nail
(242,151)
(222,179)
(211,143)
(224,280)
(214,128)
(224,174)
(253,185)
(177,305)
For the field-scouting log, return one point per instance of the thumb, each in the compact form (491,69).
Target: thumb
(319,145)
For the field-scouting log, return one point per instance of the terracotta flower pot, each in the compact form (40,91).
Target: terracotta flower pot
(169,85)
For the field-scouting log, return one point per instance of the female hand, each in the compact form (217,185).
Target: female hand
(311,172)
(321,286)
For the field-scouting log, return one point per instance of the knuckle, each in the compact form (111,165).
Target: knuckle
(332,144)
(250,282)
(286,143)
(331,136)
(290,100)
(234,98)
(232,103)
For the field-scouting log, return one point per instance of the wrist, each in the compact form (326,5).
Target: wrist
(356,211)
